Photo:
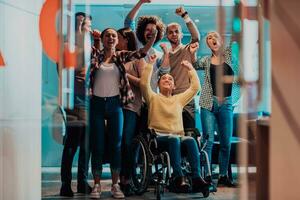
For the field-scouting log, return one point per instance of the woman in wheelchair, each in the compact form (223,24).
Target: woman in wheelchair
(165,117)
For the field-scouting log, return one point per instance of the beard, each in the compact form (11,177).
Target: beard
(174,42)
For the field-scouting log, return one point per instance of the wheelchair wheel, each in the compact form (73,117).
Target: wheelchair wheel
(141,165)
(159,190)
(205,192)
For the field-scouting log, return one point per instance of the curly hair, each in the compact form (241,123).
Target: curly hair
(143,21)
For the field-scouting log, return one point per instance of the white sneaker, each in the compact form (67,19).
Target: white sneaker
(96,192)
(116,192)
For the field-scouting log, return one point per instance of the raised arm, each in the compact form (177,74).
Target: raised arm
(138,66)
(127,56)
(150,43)
(146,79)
(190,24)
(198,64)
(129,20)
(189,94)
(165,59)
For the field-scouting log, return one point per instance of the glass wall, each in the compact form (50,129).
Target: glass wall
(241,27)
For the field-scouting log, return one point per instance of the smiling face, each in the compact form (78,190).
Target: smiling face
(166,82)
(148,31)
(123,43)
(109,38)
(87,25)
(174,34)
(214,41)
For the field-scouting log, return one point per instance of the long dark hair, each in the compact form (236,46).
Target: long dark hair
(104,31)
(129,35)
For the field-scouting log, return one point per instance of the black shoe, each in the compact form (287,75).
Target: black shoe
(199,185)
(84,188)
(66,190)
(212,187)
(180,185)
(126,189)
(208,179)
(224,181)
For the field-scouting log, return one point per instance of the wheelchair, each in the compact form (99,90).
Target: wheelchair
(146,156)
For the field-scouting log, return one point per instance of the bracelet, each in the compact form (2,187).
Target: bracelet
(184,14)
(187,19)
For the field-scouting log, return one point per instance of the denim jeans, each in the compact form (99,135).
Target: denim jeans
(130,120)
(77,135)
(221,116)
(101,109)
(176,147)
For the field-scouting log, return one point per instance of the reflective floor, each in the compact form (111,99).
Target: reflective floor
(51,185)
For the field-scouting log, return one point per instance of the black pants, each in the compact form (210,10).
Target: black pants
(76,136)
(188,115)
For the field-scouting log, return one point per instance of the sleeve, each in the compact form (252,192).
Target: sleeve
(128,56)
(200,64)
(129,23)
(161,70)
(194,32)
(92,69)
(189,94)
(164,70)
(145,83)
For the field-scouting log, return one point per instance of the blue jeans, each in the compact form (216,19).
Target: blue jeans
(108,108)
(222,116)
(77,135)
(176,146)
(130,120)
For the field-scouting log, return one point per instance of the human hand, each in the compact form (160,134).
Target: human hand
(96,34)
(164,48)
(193,47)
(152,59)
(187,65)
(145,1)
(180,11)
(154,31)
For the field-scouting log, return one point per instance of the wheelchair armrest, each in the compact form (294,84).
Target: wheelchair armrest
(193,132)
(152,132)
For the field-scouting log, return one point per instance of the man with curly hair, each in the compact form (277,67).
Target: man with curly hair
(143,29)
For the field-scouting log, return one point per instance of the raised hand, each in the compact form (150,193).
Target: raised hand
(152,58)
(180,11)
(166,60)
(194,47)
(187,65)
(145,1)
(96,34)
(164,47)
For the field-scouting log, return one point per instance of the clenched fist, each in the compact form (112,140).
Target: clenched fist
(180,11)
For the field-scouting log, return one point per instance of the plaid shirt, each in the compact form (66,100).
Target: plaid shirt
(119,58)
(206,98)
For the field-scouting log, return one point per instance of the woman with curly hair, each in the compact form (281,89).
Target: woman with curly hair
(143,33)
